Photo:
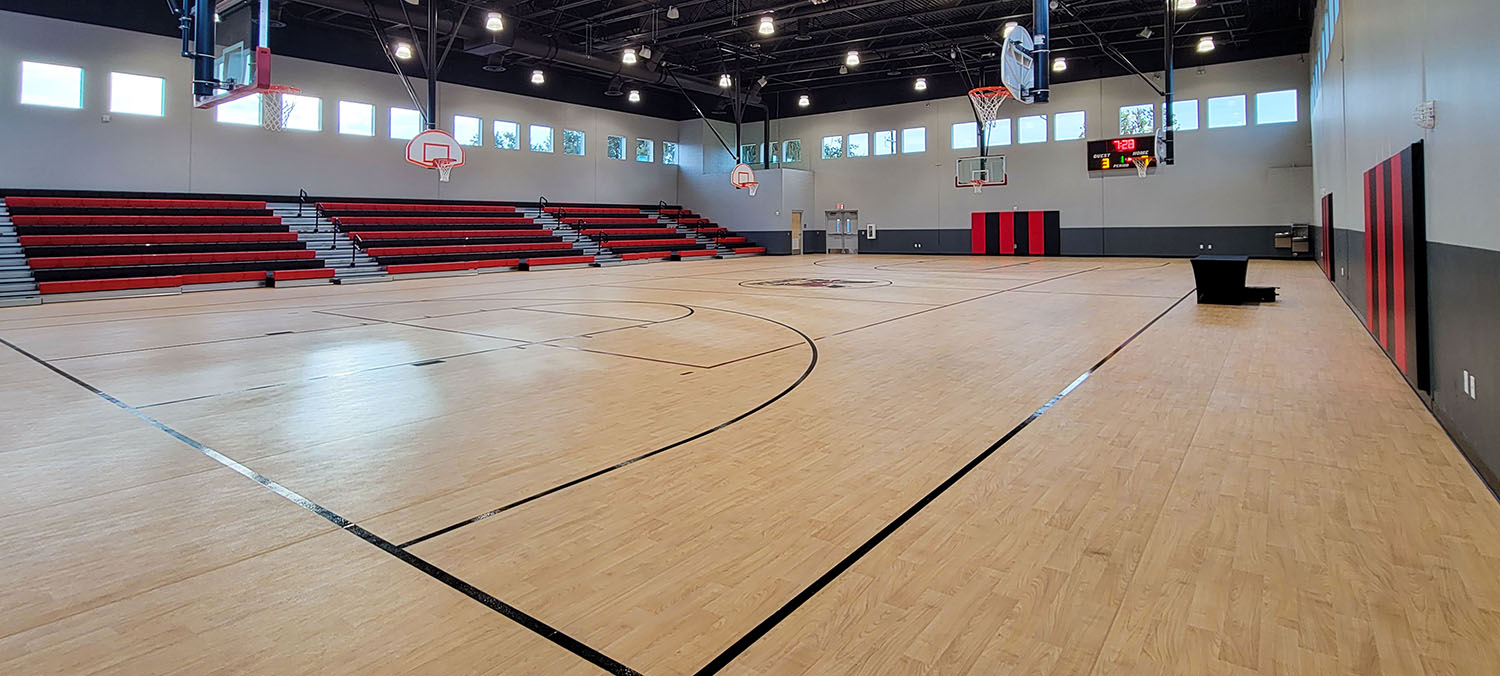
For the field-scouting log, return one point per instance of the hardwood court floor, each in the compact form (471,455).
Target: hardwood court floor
(723,467)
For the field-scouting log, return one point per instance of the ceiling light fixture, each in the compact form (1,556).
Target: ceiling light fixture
(494,63)
(725,81)
(635,96)
(646,52)
(921,84)
(1205,44)
(852,58)
(843,70)
(672,12)
(628,56)
(1183,5)
(804,101)
(1009,26)
(1059,65)
(767,26)
(1145,33)
(537,77)
(403,50)
(493,22)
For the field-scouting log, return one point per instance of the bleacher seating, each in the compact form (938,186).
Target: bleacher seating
(410,238)
(100,244)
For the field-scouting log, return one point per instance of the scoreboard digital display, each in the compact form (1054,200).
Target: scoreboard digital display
(1115,153)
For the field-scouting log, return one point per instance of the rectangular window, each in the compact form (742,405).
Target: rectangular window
(885,143)
(750,153)
(1226,111)
(507,135)
(997,132)
(859,145)
(1276,107)
(1184,114)
(914,140)
(45,84)
(244,111)
(645,150)
(573,142)
(1032,129)
(965,135)
(405,124)
(614,147)
(540,137)
(137,94)
(833,147)
(668,153)
(1068,126)
(303,113)
(468,131)
(1137,120)
(356,119)
(791,151)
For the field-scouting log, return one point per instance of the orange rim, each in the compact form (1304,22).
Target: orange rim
(989,92)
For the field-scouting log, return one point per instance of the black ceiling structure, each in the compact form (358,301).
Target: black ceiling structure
(578,43)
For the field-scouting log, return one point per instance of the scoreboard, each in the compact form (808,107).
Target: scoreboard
(1113,154)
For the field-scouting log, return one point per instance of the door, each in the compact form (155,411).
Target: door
(796,232)
(843,232)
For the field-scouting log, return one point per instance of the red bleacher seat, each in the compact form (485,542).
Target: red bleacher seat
(464,249)
(169,259)
(643,255)
(647,242)
(380,206)
(455,265)
(33,219)
(432,220)
(112,203)
(437,234)
(694,252)
(609,220)
(311,273)
(595,232)
(559,260)
(751,250)
(84,285)
(593,210)
(170,238)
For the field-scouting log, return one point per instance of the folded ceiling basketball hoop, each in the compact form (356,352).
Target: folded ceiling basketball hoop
(435,149)
(743,177)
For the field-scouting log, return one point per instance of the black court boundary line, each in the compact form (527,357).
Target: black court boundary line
(812,363)
(810,342)
(215,341)
(537,626)
(766,625)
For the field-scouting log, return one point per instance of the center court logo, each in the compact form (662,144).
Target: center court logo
(808,282)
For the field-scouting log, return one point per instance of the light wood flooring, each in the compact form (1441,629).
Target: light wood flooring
(722,467)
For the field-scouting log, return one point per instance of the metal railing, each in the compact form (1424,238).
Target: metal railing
(301,200)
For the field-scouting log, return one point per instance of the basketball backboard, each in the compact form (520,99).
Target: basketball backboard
(435,149)
(742,176)
(980,172)
(231,49)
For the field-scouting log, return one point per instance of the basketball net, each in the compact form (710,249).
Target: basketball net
(445,165)
(1141,163)
(276,110)
(986,102)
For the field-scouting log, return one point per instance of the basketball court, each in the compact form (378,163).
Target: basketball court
(454,430)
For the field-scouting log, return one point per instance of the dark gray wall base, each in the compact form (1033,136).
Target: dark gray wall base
(775,241)
(814,241)
(1465,318)
(1256,241)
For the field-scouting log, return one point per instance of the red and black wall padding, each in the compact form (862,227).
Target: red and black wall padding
(1325,248)
(1396,261)
(1016,233)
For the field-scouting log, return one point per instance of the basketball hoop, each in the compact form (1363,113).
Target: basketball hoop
(986,102)
(435,149)
(444,166)
(1141,162)
(276,110)
(744,177)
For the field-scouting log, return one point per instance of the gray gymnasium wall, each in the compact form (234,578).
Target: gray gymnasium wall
(1387,56)
(188,151)
(1231,188)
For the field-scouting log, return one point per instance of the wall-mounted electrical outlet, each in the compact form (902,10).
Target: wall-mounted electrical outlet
(1342,273)
(1463,380)
(104,118)
(1473,393)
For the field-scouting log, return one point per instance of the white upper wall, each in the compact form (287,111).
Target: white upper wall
(186,150)
(1385,58)
(1249,175)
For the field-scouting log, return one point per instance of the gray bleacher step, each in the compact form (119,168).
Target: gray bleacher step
(18,301)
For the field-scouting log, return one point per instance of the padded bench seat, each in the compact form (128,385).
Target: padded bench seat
(447,208)
(310,273)
(694,252)
(438,234)
(750,250)
(114,203)
(167,238)
(131,271)
(145,229)
(448,267)
(475,256)
(644,255)
(168,259)
(459,249)
(592,210)
(612,243)
(618,232)
(50,219)
(433,220)
(139,249)
(610,220)
(166,281)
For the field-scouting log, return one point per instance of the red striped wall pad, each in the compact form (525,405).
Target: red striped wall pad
(310,273)
(448,267)
(456,234)
(169,259)
(85,285)
(451,208)
(1015,233)
(184,238)
(610,220)
(29,219)
(111,203)
(473,248)
(1396,262)
(433,220)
